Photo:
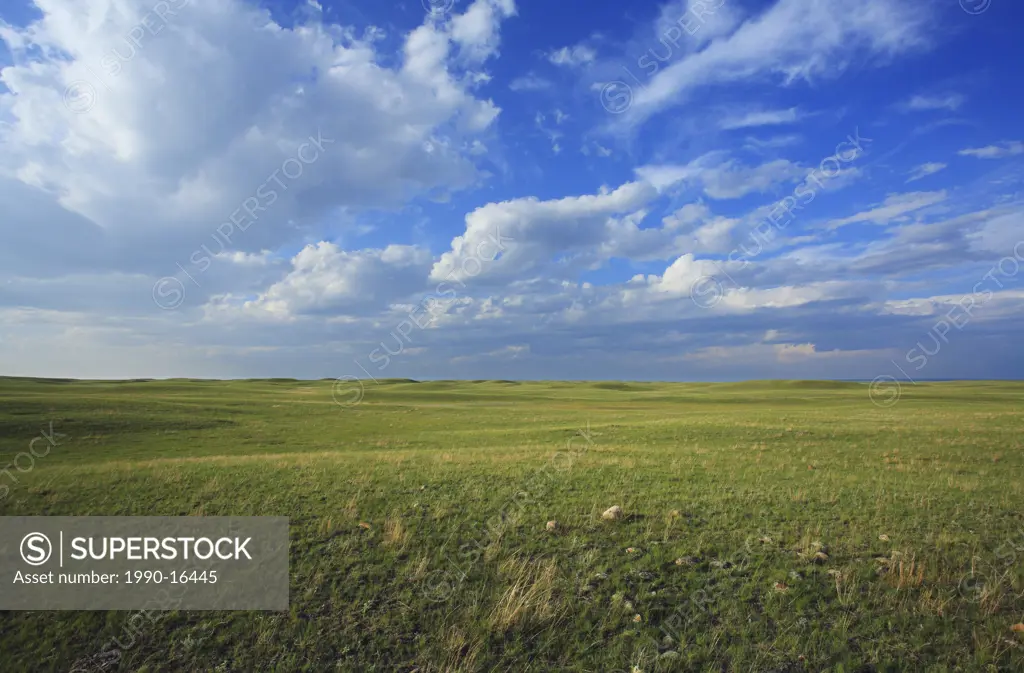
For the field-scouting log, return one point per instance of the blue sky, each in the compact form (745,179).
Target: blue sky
(688,190)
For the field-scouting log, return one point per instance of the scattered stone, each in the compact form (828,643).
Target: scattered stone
(552,525)
(613,513)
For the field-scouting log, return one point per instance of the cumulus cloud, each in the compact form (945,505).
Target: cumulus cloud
(155,144)
(325,278)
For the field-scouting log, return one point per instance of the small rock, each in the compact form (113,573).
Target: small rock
(613,513)
(552,525)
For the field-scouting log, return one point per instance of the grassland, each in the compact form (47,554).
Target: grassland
(774,526)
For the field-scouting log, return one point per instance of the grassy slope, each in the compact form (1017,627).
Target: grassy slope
(742,481)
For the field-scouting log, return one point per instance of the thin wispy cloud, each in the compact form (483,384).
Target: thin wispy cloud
(761,118)
(1006,148)
(530,82)
(951,102)
(895,206)
(925,170)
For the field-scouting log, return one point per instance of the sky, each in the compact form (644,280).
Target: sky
(512,189)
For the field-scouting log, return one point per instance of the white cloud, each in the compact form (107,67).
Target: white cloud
(894,206)
(949,102)
(925,170)
(539,230)
(530,82)
(327,278)
(772,143)
(1005,148)
(723,178)
(477,30)
(759,353)
(573,57)
(177,139)
(791,41)
(761,118)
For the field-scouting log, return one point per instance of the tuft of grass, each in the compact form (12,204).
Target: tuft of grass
(529,597)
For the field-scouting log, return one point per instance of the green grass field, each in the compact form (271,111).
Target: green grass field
(769,526)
